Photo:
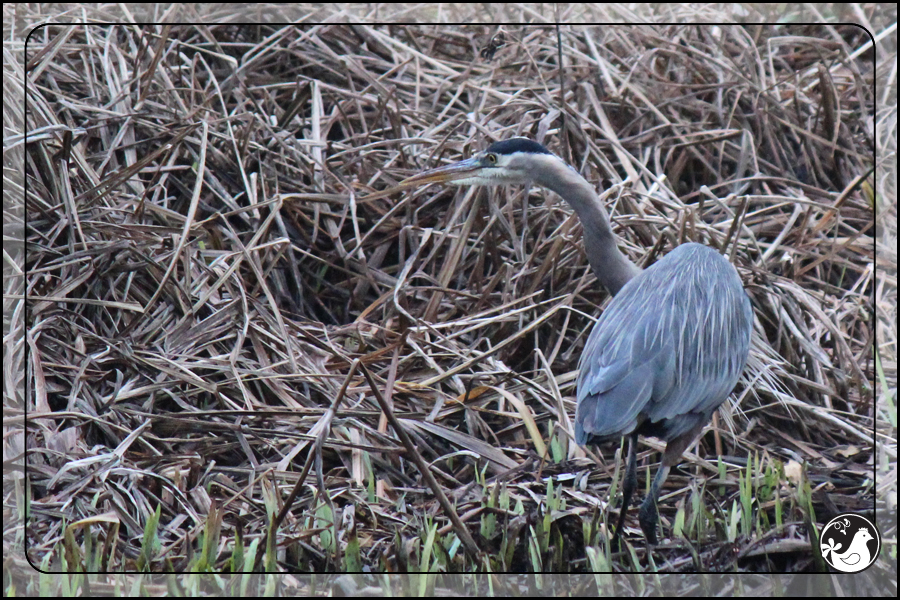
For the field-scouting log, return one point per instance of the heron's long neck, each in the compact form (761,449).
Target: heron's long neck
(612,268)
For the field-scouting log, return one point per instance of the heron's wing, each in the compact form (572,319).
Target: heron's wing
(713,350)
(670,346)
(618,376)
(605,414)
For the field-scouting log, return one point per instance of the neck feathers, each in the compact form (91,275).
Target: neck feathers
(612,268)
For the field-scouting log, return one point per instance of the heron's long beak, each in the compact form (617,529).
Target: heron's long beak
(447,174)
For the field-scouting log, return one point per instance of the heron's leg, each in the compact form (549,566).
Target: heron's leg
(628,487)
(649,514)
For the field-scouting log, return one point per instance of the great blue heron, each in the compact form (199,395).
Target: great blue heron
(670,346)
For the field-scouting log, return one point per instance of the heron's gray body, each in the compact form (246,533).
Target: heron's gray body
(667,351)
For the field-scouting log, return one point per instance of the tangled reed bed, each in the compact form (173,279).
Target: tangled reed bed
(205,267)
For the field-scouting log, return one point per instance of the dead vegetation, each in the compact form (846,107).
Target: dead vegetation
(212,297)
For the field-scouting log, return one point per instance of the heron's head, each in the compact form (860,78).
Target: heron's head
(511,161)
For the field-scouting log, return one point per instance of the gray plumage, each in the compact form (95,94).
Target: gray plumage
(667,350)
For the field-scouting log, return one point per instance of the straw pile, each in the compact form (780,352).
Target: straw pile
(215,304)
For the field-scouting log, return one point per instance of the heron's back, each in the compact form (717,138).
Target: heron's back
(667,351)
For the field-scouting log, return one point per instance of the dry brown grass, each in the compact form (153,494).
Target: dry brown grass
(209,287)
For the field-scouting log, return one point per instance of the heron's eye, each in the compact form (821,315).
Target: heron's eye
(491,159)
